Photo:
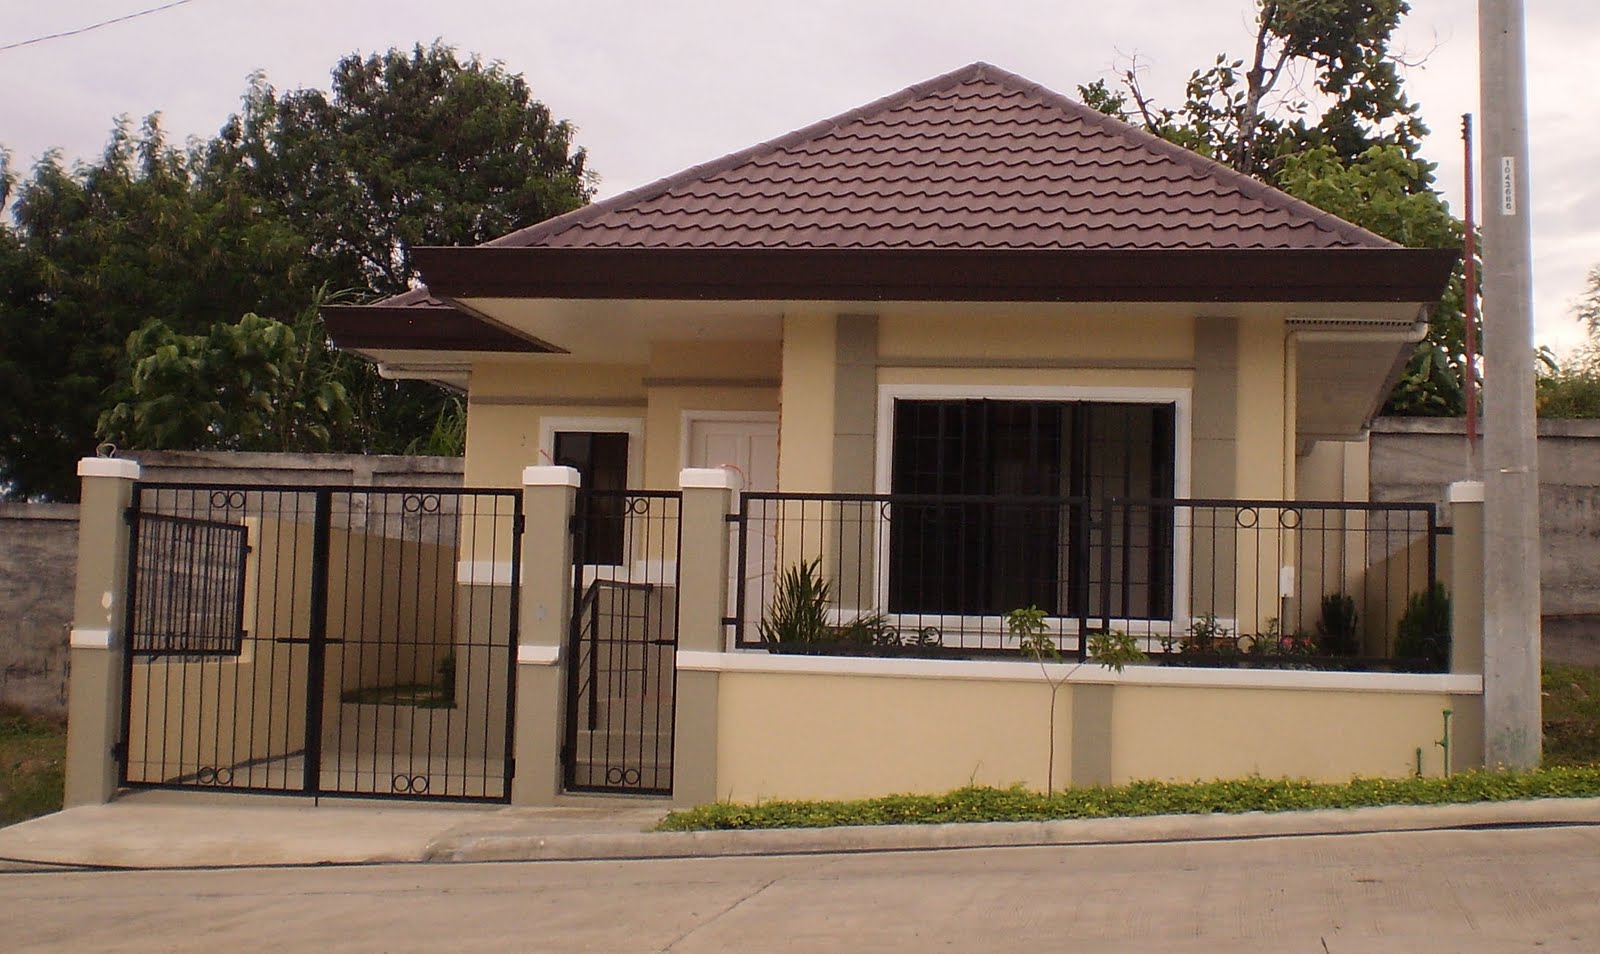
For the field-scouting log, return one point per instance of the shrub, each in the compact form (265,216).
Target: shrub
(1424,630)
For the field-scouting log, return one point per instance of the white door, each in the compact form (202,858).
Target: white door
(751,447)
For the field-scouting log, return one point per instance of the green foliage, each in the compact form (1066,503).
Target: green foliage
(1336,624)
(33,754)
(1115,649)
(1424,629)
(1027,627)
(256,384)
(1572,392)
(798,615)
(983,804)
(1205,634)
(301,190)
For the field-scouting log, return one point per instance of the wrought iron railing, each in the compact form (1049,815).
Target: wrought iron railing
(1205,582)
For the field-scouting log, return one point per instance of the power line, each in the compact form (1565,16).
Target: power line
(95,26)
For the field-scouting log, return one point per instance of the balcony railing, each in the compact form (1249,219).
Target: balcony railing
(1198,582)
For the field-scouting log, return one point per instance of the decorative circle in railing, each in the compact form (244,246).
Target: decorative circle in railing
(421,503)
(410,784)
(638,505)
(227,500)
(212,775)
(1246,517)
(1289,518)
(622,776)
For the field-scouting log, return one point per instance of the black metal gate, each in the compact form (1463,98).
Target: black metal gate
(622,675)
(321,640)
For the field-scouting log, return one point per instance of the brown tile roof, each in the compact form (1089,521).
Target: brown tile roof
(976,159)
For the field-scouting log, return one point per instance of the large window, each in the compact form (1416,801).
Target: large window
(1021,545)
(601,460)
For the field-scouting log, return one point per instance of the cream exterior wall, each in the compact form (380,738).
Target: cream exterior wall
(817,736)
(786,734)
(805,424)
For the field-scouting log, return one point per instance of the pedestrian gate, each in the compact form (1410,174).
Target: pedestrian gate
(622,671)
(321,640)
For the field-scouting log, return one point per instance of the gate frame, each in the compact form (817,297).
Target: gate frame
(581,591)
(314,690)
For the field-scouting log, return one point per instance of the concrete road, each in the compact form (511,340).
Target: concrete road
(1457,891)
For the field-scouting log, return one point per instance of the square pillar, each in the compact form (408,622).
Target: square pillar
(709,495)
(1465,500)
(98,643)
(544,617)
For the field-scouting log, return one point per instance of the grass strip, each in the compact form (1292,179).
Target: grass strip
(33,754)
(986,804)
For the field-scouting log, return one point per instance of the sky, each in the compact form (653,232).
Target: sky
(656,86)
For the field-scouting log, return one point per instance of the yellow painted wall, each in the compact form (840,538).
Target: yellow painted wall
(1112,331)
(804,735)
(805,431)
(1265,438)
(813,736)
(1184,733)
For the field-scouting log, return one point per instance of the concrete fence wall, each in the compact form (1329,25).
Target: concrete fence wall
(1415,458)
(39,545)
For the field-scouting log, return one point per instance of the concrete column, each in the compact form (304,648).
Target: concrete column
(548,496)
(1466,576)
(98,642)
(1466,620)
(708,497)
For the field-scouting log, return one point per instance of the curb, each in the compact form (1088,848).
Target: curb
(468,847)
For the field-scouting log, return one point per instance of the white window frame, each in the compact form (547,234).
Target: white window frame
(991,629)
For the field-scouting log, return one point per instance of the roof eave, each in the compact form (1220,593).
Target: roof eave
(922,274)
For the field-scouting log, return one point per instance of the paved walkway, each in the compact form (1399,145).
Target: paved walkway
(187,830)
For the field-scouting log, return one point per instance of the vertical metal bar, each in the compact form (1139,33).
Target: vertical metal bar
(319,640)
(740,573)
(517,530)
(129,618)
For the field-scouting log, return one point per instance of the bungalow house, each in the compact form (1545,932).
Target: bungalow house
(968,349)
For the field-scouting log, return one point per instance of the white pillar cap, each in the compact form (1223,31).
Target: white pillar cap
(710,478)
(544,476)
(108,467)
(1465,491)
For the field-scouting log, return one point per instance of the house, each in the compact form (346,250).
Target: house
(970,348)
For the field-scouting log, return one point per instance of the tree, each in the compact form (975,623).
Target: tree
(1350,145)
(416,148)
(1252,113)
(254,384)
(302,190)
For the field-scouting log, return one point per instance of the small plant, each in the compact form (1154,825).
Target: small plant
(1424,630)
(1336,627)
(1027,627)
(799,611)
(1116,649)
(1207,635)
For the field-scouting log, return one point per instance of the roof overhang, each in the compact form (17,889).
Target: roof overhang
(972,275)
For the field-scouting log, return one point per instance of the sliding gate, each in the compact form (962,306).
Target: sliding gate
(622,646)
(321,640)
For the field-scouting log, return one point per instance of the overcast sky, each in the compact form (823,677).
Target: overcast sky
(655,87)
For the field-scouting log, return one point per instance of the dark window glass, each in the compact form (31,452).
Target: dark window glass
(969,558)
(601,459)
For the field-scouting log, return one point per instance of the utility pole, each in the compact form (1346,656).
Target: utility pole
(1511,700)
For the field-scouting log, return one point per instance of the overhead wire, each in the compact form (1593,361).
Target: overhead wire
(93,26)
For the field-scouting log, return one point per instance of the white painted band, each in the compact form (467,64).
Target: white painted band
(484,572)
(546,476)
(1086,673)
(1465,491)
(108,467)
(709,478)
(89,639)
(538,655)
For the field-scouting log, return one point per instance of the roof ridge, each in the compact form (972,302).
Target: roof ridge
(550,227)
(1211,167)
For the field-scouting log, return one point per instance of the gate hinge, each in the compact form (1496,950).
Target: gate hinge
(130,515)
(119,750)
(519,523)
(566,755)
(511,769)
